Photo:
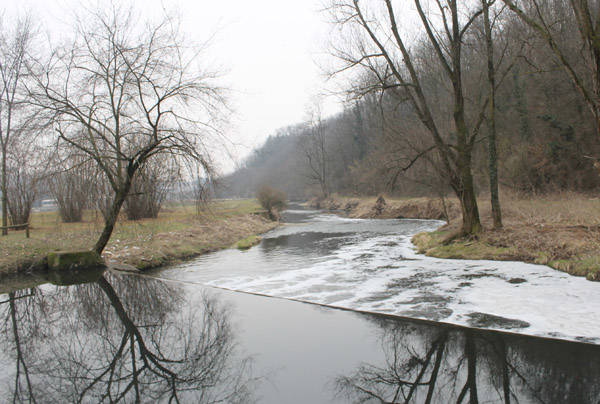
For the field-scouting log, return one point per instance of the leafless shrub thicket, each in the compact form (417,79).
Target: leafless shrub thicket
(15,43)
(149,189)
(72,186)
(273,200)
(23,179)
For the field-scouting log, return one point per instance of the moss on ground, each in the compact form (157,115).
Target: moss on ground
(434,244)
(248,242)
(67,260)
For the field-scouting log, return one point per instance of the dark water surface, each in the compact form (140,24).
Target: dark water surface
(128,338)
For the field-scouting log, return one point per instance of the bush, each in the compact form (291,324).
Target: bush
(71,189)
(149,190)
(273,200)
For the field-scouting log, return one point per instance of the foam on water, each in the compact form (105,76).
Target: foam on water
(371,265)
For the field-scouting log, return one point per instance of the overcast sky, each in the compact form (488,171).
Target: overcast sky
(267,47)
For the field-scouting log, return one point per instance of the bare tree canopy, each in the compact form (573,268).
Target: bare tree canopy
(125,92)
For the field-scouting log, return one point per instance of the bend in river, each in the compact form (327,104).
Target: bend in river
(370,265)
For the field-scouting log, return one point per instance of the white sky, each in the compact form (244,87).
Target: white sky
(267,47)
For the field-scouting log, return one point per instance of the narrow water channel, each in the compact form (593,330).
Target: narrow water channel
(128,338)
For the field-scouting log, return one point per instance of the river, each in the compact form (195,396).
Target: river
(188,334)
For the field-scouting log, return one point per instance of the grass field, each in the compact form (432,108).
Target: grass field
(178,233)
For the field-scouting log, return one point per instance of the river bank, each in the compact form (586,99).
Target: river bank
(561,230)
(179,233)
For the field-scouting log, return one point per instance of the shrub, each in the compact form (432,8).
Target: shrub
(71,189)
(149,190)
(273,200)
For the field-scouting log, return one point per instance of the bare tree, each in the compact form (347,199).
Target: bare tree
(315,151)
(491,117)
(125,93)
(394,65)
(101,194)
(14,45)
(25,171)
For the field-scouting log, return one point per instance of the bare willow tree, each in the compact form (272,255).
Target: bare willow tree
(381,47)
(15,42)
(126,92)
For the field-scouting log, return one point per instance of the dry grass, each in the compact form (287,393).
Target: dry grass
(177,233)
(567,208)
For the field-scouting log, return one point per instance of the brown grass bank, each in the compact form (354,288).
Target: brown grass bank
(177,234)
(560,230)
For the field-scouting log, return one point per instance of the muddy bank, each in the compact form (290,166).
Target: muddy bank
(387,208)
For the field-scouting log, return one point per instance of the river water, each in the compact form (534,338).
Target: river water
(371,265)
(178,336)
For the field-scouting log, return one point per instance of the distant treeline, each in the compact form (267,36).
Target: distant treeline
(547,136)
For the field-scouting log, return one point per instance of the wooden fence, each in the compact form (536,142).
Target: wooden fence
(18,227)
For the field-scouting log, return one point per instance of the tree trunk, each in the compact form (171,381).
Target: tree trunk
(111,220)
(492,158)
(465,191)
(4,196)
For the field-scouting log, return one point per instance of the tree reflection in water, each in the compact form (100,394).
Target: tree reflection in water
(442,364)
(120,339)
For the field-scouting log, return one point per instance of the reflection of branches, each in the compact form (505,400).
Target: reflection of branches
(471,384)
(115,353)
(404,373)
(20,359)
(146,301)
(426,363)
(186,356)
(23,312)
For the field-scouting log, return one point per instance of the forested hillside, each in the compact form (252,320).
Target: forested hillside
(546,133)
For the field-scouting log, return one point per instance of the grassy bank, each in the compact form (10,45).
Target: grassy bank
(560,230)
(178,233)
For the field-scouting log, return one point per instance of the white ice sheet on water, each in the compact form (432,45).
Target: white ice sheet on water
(383,274)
